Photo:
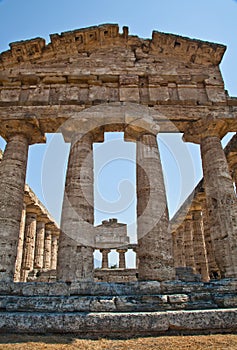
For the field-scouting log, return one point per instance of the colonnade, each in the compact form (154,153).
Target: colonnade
(154,251)
(121,255)
(205,237)
(37,247)
(208,232)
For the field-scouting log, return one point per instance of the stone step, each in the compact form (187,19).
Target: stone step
(124,325)
(113,289)
(158,302)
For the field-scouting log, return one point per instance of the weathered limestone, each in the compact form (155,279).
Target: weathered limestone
(75,256)
(154,242)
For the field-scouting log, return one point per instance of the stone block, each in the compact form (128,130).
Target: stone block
(178,298)
(129,94)
(216,93)
(160,93)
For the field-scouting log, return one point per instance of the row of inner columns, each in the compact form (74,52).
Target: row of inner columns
(122,258)
(37,245)
(75,261)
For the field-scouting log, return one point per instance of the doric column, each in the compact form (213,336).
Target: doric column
(29,243)
(20,246)
(175,248)
(54,251)
(188,242)
(137,259)
(222,205)
(199,247)
(180,257)
(76,242)
(18,134)
(105,258)
(39,244)
(220,196)
(122,261)
(212,266)
(47,248)
(154,241)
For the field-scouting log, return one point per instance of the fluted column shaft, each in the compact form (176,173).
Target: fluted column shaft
(175,248)
(54,252)
(12,182)
(199,247)
(105,258)
(47,248)
(39,245)
(180,247)
(75,254)
(188,243)
(20,246)
(122,260)
(154,241)
(29,245)
(213,268)
(221,204)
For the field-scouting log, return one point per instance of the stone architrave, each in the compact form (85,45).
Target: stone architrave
(75,254)
(154,240)
(220,195)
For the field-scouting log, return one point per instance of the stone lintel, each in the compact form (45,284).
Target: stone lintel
(29,127)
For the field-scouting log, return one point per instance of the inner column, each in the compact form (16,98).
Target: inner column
(154,241)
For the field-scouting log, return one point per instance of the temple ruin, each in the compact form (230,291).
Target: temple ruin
(82,84)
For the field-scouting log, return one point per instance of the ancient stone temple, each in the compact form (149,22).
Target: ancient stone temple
(82,84)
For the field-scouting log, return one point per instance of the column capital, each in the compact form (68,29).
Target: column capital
(74,132)
(121,250)
(134,132)
(29,127)
(105,250)
(210,126)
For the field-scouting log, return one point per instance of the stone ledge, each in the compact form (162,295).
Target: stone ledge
(97,325)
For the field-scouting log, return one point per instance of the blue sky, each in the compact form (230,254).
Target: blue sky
(210,20)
